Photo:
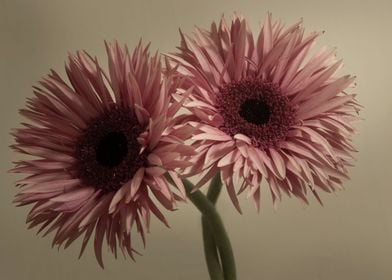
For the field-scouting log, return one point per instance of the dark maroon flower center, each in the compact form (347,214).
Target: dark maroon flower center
(112,149)
(107,152)
(256,109)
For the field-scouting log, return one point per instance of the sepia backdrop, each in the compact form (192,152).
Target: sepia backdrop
(350,238)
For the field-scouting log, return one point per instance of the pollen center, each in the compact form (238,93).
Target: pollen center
(255,111)
(112,149)
(108,153)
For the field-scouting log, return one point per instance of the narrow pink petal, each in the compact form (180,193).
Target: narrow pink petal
(233,196)
(207,176)
(164,188)
(274,189)
(177,181)
(317,83)
(243,138)
(154,159)
(156,212)
(278,162)
(258,161)
(155,171)
(53,186)
(100,209)
(86,238)
(267,35)
(118,196)
(217,151)
(208,136)
(268,163)
(99,235)
(257,199)
(230,158)
(74,194)
(135,184)
(295,64)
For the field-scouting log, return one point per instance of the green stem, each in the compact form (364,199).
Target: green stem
(210,248)
(210,252)
(214,189)
(221,238)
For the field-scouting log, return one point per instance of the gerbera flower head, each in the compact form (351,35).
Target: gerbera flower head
(101,145)
(265,110)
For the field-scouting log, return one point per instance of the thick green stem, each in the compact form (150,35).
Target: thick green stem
(210,252)
(210,248)
(214,189)
(220,236)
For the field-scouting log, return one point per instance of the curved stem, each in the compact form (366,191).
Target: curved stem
(210,252)
(222,241)
(210,248)
(214,189)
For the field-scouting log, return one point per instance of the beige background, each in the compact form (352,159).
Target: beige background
(349,238)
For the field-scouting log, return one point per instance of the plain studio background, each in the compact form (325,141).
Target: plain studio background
(349,238)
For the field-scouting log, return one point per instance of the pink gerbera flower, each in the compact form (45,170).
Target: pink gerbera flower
(265,111)
(101,146)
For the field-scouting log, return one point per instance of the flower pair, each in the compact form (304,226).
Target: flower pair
(257,109)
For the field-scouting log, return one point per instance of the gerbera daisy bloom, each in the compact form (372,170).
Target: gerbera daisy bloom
(101,146)
(264,110)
